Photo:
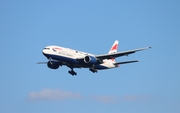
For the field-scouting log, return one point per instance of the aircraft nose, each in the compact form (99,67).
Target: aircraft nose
(45,50)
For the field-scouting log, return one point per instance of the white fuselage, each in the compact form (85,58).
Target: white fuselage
(59,56)
(70,57)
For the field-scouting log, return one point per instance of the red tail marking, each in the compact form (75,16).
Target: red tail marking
(114,47)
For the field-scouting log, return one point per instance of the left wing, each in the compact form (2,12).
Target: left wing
(119,54)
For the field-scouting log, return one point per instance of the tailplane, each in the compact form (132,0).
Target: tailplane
(126,62)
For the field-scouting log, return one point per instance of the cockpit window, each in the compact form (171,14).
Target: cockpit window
(46,48)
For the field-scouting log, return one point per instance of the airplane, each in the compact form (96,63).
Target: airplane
(59,56)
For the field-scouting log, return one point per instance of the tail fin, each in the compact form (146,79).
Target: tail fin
(114,49)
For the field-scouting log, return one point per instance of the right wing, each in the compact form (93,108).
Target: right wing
(119,54)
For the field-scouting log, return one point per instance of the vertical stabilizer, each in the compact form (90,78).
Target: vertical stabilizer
(114,47)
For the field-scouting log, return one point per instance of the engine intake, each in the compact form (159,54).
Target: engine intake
(53,65)
(90,60)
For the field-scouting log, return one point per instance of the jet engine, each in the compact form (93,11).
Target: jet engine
(53,65)
(90,60)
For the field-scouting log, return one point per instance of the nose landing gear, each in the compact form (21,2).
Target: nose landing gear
(72,72)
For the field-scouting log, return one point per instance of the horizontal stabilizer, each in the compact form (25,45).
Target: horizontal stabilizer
(126,62)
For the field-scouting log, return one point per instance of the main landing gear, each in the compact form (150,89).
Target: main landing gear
(72,72)
(93,70)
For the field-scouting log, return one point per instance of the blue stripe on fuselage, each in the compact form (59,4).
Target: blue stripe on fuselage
(74,61)
(100,67)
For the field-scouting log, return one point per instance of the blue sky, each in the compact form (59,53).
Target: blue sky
(150,86)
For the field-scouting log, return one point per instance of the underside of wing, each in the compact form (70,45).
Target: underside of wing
(119,54)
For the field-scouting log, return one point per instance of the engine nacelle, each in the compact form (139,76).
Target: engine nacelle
(53,65)
(90,60)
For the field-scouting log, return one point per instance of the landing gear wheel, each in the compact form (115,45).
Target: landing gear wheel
(72,72)
(93,70)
